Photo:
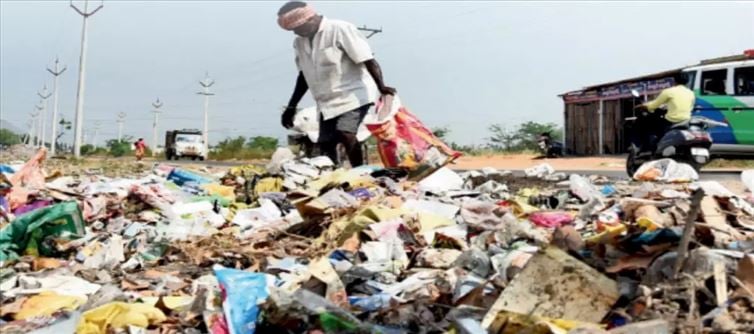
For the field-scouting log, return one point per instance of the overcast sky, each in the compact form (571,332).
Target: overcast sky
(464,65)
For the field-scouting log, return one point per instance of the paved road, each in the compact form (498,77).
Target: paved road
(728,176)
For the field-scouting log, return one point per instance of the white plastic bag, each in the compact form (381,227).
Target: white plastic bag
(539,171)
(747,177)
(667,170)
(306,121)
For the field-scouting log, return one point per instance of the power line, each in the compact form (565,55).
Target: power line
(371,31)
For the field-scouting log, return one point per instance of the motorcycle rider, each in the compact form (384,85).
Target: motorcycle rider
(679,101)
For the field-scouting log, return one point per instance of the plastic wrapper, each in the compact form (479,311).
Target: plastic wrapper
(666,170)
(181,177)
(243,291)
(403,141)
(27,179)
(551,219)
(28,233)
(747,177)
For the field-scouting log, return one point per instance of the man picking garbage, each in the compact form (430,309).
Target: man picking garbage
(336,63)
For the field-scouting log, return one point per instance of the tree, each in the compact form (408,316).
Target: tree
(528,134)
(64,125)
(262,142)
(441,132)
(231,145)
(87,149)
(8,137)
(502,138)
(119,148)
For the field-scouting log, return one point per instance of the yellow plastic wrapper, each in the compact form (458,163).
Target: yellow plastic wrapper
(247,170)
(510,322)
(225,192)
(118,315)
(47,303)
(608,236)
(268,185)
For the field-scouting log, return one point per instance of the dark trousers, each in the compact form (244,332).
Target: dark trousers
(650,133)
(342,130)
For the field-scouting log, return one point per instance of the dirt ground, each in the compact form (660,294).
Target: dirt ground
(523,161)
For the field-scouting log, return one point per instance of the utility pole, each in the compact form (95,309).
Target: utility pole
(206,84)
(56,72)
(97,125)
(79,120)
(32,139)
(156,104)
(121,120)
(371,31)
(44,95)
(38,141)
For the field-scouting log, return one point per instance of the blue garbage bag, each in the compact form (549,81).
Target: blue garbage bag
(243,291)
(180,177)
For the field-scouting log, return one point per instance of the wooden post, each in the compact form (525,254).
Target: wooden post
(688,230)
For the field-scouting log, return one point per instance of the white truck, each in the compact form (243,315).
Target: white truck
(186,143)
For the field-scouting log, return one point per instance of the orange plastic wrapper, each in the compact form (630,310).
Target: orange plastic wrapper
(403,141)
(27,180)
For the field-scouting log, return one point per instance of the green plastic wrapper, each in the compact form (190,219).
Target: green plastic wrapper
(26,234)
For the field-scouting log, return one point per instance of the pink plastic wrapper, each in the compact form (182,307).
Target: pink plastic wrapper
(403,141)
(28,180)
(550,219)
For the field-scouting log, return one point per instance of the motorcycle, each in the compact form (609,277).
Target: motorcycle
(550,148)
(688,142)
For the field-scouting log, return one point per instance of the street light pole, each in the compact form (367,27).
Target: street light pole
(79,120)
(121,120)
(206,84)
(32,139)
(38,141)
(97,125)
(44,95)
(156,104)
(56,72)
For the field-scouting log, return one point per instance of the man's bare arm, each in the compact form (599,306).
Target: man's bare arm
(376,72)
(298,92)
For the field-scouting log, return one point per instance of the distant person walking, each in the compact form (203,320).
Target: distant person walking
(141,147)
(336,63)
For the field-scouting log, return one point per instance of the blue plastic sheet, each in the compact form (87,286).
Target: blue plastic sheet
(243,291)
(371,303)
(180,177)
(5,169)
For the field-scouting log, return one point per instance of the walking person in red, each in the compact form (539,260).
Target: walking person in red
(141,146)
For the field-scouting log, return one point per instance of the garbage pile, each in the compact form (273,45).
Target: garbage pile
(302,246)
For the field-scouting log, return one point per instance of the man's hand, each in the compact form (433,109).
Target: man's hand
(287,119)
(387,90)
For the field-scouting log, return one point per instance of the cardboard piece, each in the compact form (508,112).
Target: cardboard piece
(555,285)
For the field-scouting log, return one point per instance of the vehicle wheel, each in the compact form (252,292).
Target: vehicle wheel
(631,164)
(194,158)
(201,158)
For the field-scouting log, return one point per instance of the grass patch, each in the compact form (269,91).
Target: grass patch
(725,163)
(242,154)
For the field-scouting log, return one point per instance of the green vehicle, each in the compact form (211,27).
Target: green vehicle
(725,93)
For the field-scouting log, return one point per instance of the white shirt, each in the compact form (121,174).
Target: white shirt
(333,69)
